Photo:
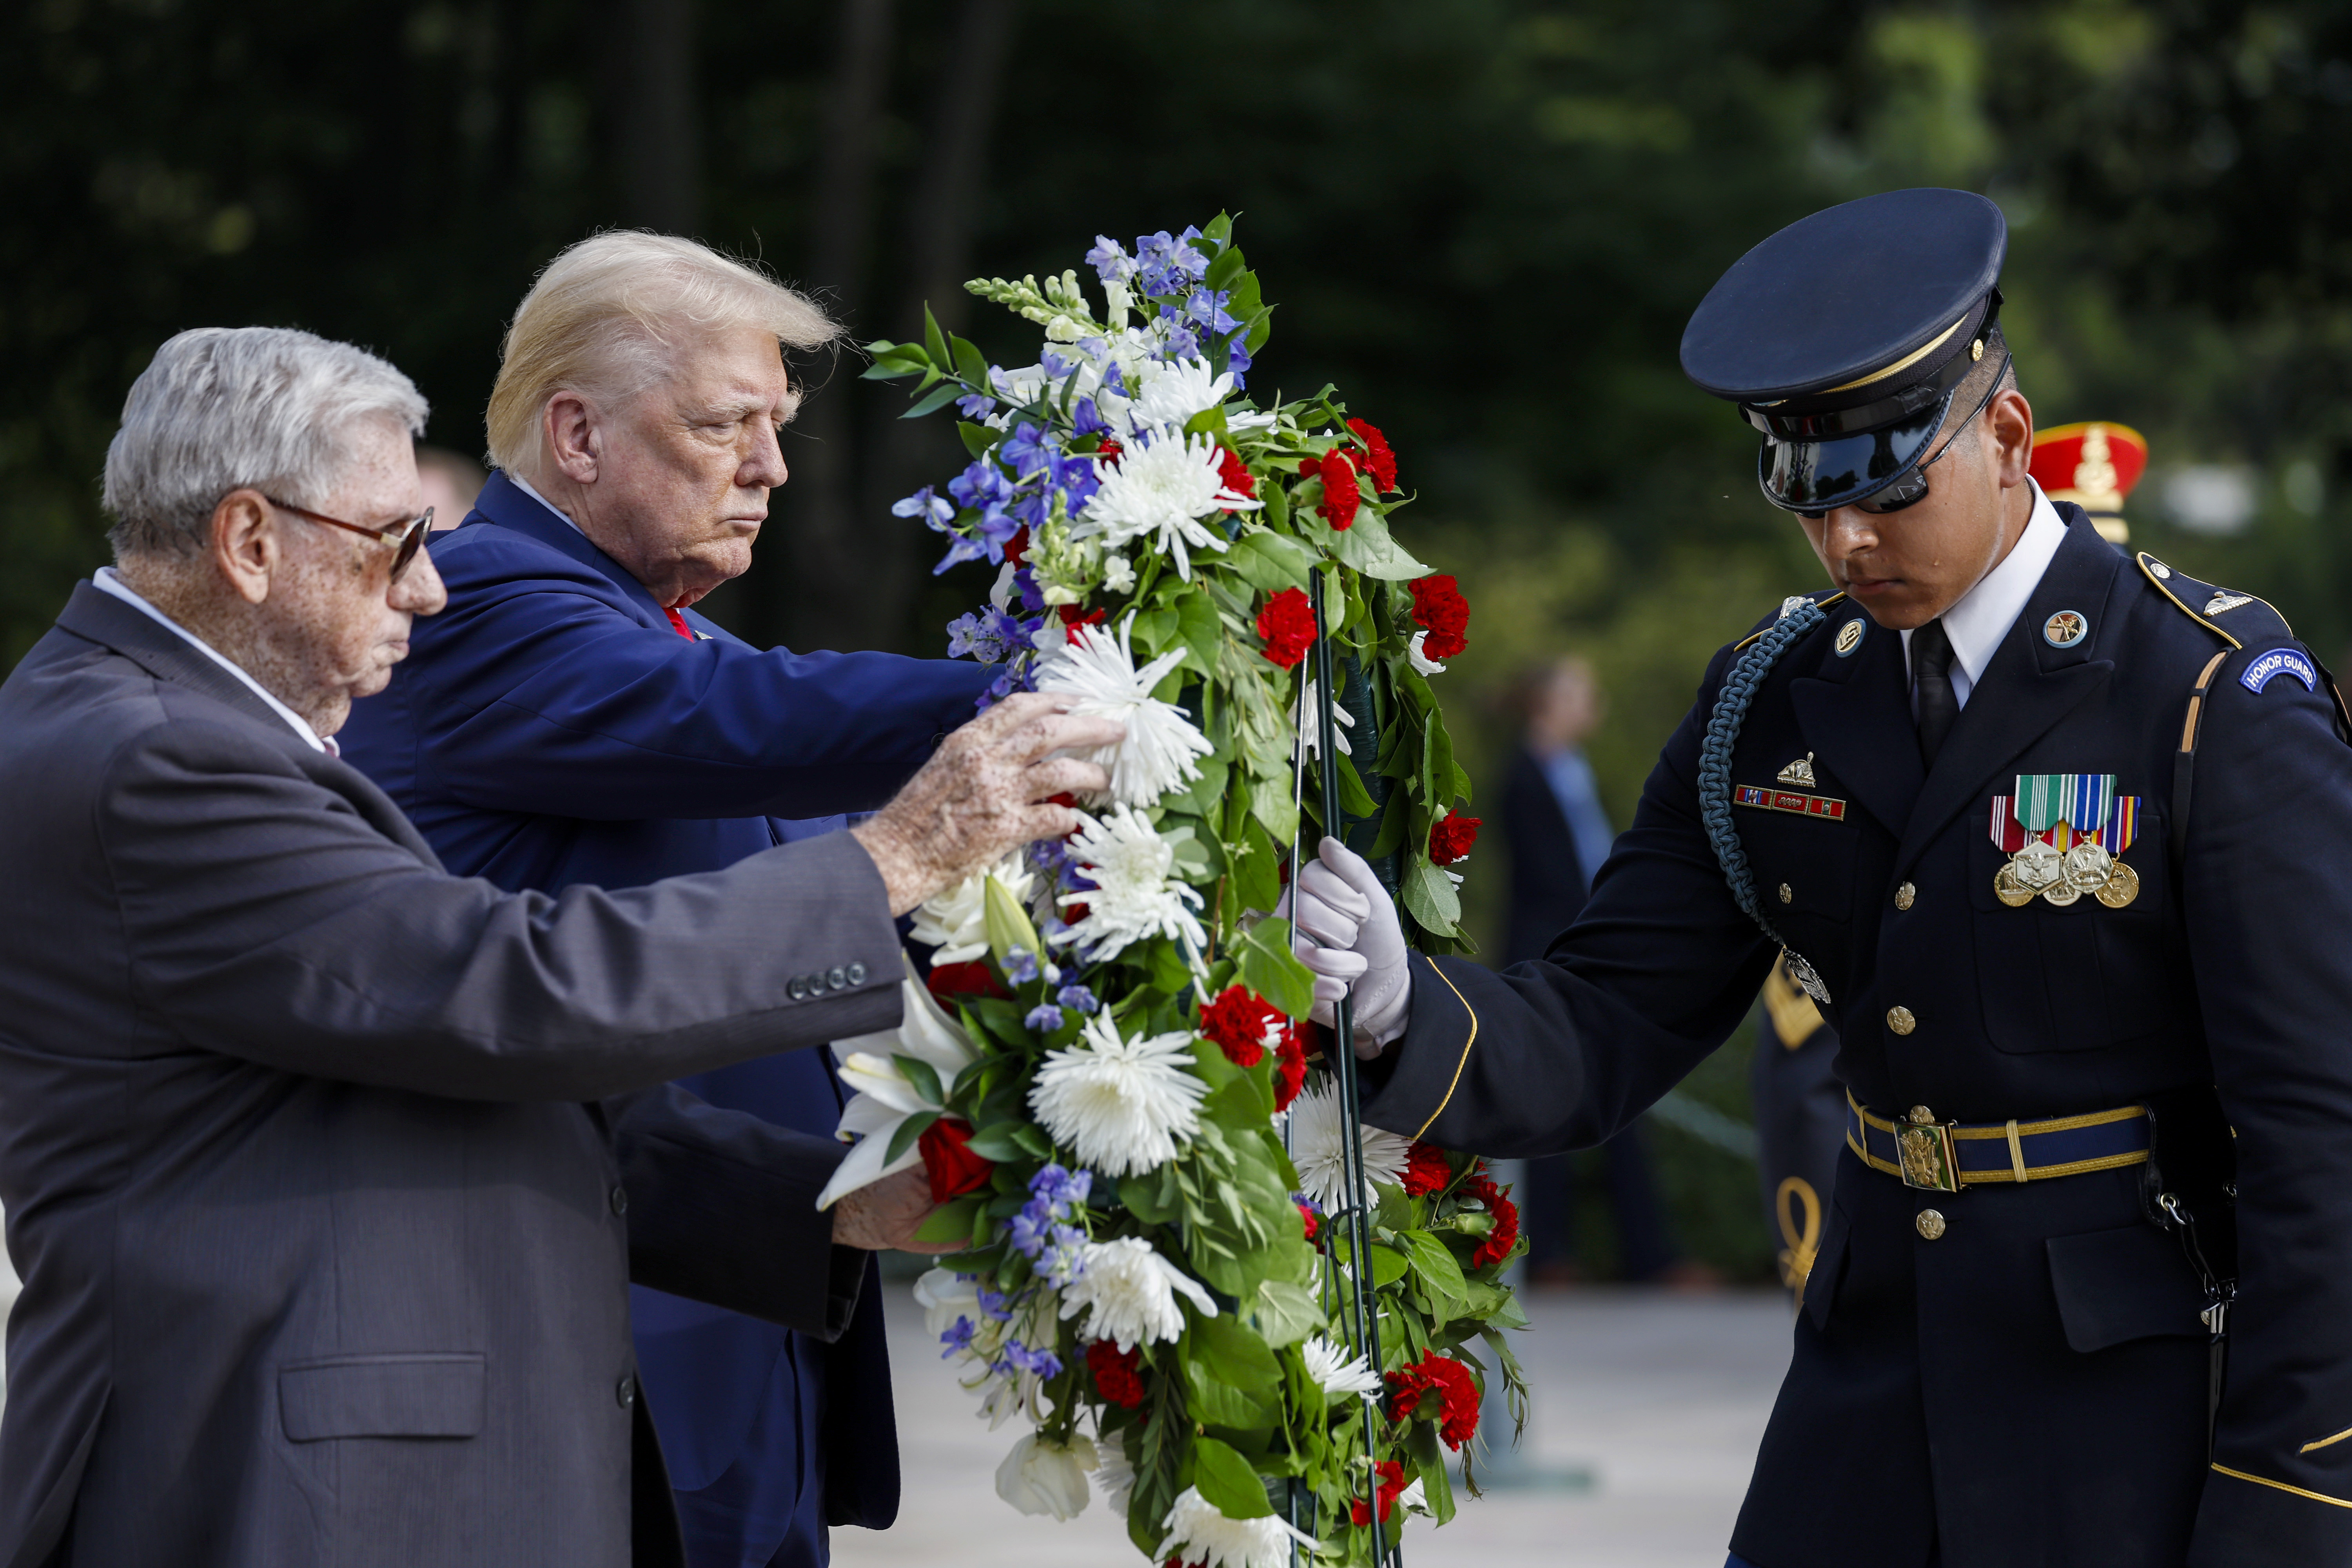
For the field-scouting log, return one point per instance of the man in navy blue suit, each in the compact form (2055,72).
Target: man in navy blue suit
(570,720)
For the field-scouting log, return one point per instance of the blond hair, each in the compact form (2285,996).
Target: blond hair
(608,317)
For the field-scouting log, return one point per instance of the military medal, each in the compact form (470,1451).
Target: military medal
(2066,834)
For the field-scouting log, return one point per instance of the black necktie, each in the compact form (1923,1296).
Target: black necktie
(1931,683)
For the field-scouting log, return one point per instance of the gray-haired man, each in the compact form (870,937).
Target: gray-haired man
(309,1149)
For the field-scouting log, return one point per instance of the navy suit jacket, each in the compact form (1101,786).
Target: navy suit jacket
(551,727)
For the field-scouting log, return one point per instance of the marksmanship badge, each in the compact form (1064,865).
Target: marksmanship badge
(2065,834)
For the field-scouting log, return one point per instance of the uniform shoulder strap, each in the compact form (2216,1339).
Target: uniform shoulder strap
(2239,621)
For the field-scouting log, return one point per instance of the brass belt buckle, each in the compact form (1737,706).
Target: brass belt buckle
(1929,1163)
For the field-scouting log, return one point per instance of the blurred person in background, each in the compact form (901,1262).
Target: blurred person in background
(452,481)
(1559,834)
(571,719)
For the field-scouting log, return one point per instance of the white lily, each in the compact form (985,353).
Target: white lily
(956,922)
(1042,1477)
(885,1097)
(1422,663)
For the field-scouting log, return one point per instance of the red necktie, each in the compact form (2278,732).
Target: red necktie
(679,622)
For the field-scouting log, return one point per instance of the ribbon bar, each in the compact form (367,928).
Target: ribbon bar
(1791,801)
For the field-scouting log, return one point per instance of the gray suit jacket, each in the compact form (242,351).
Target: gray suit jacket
(316,1158)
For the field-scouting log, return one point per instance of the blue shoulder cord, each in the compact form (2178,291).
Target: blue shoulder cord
(1799,615)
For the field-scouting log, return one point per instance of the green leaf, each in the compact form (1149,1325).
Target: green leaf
(940,398)
(1434,1262)
(1437,1487)
(1222,1405)
(1149,1197)
(952,1221)
(1273,971)
(1257,868)
(997,1142)
(934,341)
(1393,818)
(1006,922)
(1389,1265)
(1271,803)
(1227,266)
(1226,1480)
(1230,1353)
(969,362)
(1354,799)
(1032,1140)
(903,1137)
(1368,546)
(1431,898)
(1198,627)
(922,1078)
(1287,1314)
(977,438)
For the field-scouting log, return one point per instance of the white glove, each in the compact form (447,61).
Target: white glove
(1351,940)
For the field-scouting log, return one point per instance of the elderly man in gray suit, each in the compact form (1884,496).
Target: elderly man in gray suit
(325,1170)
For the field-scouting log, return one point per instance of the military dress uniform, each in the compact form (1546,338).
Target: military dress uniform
(2108,916)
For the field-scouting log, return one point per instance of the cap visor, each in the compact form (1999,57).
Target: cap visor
(1818,476)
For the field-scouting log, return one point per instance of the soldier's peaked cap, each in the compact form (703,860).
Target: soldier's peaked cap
(1856,322)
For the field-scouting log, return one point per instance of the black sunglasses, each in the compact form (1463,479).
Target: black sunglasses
(1911,487)
(408,536)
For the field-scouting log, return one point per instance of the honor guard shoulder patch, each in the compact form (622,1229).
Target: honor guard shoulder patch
(2277,662)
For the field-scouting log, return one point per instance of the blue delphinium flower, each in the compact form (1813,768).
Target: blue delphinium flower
(996,1304)
(1168,265)
(1043,1018)
(1238,361)
(1020,1357)
(1020,966)
(972,406)
(1078,999)
(957,1337)
(1209,309)
(1111,264)
(926,504)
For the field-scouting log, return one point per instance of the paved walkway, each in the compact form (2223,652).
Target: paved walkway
(1654,1401)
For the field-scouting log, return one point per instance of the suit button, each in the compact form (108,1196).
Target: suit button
(1930,1223)
(835,978)
(1900,1020)
(1904,896)
(620,1199)
(857,974)
(626,1392)
(1787,894)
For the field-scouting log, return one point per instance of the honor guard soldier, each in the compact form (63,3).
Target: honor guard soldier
(2095,465)
(2071,875)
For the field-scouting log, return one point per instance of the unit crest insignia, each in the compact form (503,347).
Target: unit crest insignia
(1800,772)
(2065,834)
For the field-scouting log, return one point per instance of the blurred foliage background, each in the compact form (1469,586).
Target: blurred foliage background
(1485,219)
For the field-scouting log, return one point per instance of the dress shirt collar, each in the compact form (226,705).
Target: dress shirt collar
(1982,617)
(524,486)
(106,581)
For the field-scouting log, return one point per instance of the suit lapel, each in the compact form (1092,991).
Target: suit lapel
(1855,712)
(502,501)
(2028,686)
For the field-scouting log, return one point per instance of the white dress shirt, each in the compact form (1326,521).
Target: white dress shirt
(107,582)
(524,486)
(1985,613)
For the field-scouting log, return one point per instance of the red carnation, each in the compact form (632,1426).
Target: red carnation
(1312,1221)
(1239,1020)
(1426,1170)
(1450,839)
(1073,619)
(1439,605)
(1392,1472)
(1380,461)
(1109,452)
(1016,549)
(1118,1374)
(1340,495)
(949,1162)
(1289,1069)
(1498,1241)
(1235,474)
(949,981)
(1287,627)
(1457,1392)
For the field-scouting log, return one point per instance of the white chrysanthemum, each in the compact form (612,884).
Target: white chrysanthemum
(1319,1145)
(956,922)
(1161,744)
(1160,491)
(1131,1291)
(1180,391)
(1305,714)
(1133,897)
(1114,1474)
(1042,1477)
(1335,1371)
(1422,663)
(1198,1533)
(1118,1104)
(883,1097)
